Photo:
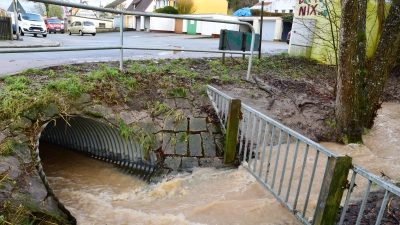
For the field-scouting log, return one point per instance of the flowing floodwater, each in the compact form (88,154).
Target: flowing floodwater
(98,193)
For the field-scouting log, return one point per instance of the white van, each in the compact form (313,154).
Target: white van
(31,23)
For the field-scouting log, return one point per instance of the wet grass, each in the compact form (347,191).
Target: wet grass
(36,88)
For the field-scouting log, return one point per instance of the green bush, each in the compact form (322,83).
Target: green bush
(167,10)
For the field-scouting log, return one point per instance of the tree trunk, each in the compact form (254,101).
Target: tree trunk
(383,60)
(360,84)
(47,6)
(351,70)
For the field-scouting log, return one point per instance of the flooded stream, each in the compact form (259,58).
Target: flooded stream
(98,193)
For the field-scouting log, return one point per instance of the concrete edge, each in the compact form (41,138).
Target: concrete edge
(56,44)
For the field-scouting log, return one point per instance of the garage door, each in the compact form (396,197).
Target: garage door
(268,30)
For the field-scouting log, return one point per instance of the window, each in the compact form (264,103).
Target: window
(291,11)
(88,23)
(276,11)
(102,25)
(283,11)
(174,3)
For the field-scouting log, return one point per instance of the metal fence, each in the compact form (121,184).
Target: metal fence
(121,47)
(304,176)
(5,28)
(381,196)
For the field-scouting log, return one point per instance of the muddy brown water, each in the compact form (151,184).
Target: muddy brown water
(98,193)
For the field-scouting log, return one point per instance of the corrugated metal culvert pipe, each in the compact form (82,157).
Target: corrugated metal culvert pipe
(97,140)
(101,141)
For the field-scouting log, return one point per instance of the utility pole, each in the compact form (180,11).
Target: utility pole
(261,26)
(15,4)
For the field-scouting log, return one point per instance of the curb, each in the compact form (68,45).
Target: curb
(55,44)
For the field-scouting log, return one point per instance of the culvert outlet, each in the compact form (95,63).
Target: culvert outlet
(101,141)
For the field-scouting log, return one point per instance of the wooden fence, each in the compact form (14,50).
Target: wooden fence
(5,28)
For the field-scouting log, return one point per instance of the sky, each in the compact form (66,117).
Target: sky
(28,6)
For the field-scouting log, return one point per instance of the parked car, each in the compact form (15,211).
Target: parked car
(288,38)
(31,23)
(82,27)
(14,28)
(54,25)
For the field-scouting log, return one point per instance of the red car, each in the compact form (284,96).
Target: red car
(54,25)
(288,37)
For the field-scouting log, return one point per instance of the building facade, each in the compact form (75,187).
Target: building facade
(277,6)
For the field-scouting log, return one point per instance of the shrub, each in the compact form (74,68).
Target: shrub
(167,10)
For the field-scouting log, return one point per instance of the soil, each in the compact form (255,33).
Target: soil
(391,215)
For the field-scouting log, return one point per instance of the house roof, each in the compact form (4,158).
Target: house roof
(114,4)
(141,5)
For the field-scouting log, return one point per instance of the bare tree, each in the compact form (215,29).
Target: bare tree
(362,78)
(185,6)
(49,10)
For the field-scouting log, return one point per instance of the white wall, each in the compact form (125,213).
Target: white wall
(278,5)
(286,5)
(272,27)
(210,28)
(184,24)
(162,24)
(108,23)
(161,3)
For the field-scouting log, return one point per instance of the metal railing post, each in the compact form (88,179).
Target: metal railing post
(332,190)
(121,37)
(232,129)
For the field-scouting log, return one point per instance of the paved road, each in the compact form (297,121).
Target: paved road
(11,63)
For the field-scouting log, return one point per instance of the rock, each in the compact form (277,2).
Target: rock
(182,125)
(98,111)
(159,175)
(112,118)
(84,98)
(24,153)
(22,138)
(181,145)
(10,164)
(195,145)
(169,124)
(2,137)
(158,138)
(173,162)
(208,144)
(167,146)
(214,128)
(182,103)
(188,163)
(51,110)
(197,124)
(211,162)
(21,123)
(127,117)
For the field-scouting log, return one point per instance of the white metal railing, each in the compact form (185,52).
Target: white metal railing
(220,102)
(381,185)
(292,167)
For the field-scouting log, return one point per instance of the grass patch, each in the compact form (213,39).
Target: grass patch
(7,148)
(178,92)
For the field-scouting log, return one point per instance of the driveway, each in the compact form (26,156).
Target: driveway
(11,63)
